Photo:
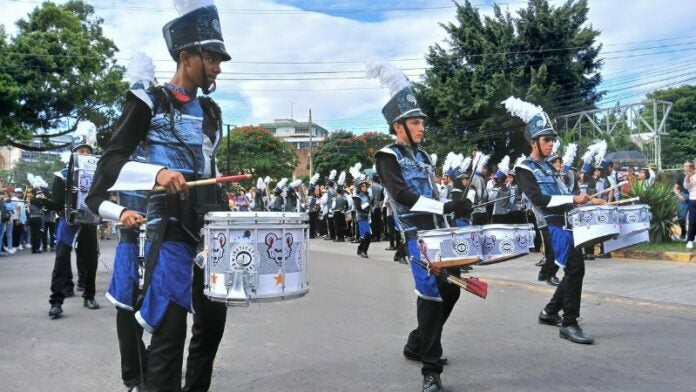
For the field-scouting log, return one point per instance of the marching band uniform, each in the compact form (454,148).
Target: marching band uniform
(551,199)
(328,210)
(81,237)
(312,210)
(339,209)
(408,177)
(363,210)
(376,191)
(178,131)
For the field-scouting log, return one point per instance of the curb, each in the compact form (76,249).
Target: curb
(677,257)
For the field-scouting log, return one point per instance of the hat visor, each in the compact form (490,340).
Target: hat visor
(545,132)
(219,49)
(413,113)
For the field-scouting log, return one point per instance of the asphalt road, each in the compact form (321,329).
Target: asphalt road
(348,332)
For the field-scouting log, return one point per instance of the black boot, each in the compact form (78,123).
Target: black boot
(56,311)
(432,383)
(90,303)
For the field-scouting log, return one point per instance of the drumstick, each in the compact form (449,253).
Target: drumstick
(491,201)
(209,181)
(622,183)
(632,199)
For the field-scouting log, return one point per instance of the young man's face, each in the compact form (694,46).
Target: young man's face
(465,182)
(84,150)
(597,173)
(416,126)
(197,66)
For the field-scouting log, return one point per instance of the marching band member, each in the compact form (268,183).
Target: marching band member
(362,204)
(313,206)
(81,237)
(278,202)
(339,209)
(179,132)
(478,185)
(501,193)
(408,177)
(376,191)
(259,204)
(328,205)
(551,198)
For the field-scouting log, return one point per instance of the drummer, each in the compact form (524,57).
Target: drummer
(552,199)
(408,176)
(167,124)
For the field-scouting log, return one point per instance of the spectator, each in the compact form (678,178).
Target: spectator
(682,200)
(5,217)
(9,206)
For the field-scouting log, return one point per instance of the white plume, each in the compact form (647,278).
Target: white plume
(601,152)
(355,171)
(342,178)
(314,179)
(504,165)
(36,181)
(332,174)
(87,131)
(141,69)
(465,163)
(519,108)
(449,162)
(65,156)
(260,185)
(433,159)
(295,183)
(520,160)
(556,146)
(281,183)
(570,153)
(591,152)
(267,180)
(482,162)
(186,6)
(389,75)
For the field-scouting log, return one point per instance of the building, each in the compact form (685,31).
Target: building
(297,135)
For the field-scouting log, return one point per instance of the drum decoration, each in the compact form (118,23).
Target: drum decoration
(255,256)
(81,170)
(452,247)
(505,242)
(593,224)
(635,227)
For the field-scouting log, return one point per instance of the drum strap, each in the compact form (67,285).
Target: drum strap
(156,240)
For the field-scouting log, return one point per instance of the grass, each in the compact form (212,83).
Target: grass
(677,246)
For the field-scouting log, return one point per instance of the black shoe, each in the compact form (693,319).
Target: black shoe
(341,240)
(411,356)
(328,239)
(390,248)
(56,311)
(549,319)
(90,303)
(540,263)
(69,293)
(432,383)
(541,277)
(402,260)
(363,255)
(575,334)
(553,281)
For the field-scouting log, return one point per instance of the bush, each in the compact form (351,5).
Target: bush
(663,207)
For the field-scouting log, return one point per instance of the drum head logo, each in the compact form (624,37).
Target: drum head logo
(275,247)
(522,241)
(506,246)
(242,258)
(489,241)
(631,218)
(476,239)
(461,247)
(586,217)
(602,218)
(219,241)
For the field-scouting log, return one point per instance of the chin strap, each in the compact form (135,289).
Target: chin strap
(414,146)
(207,89)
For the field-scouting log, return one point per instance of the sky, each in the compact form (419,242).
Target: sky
(647,44)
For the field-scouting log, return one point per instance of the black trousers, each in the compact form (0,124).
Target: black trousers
(330,226)
(569,291)
(549,268)
(392,232)
(339,225)
(134,355)
(313,224)
(35,233)
(377,225)
(168,340)
(87,259)
(425,340)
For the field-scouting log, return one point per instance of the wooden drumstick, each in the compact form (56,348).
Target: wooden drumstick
(622,183)
(622,201)
(208,181)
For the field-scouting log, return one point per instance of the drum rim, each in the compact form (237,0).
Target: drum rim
(506,226)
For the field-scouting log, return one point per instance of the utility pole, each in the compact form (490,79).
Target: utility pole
(311,130)
(229,128)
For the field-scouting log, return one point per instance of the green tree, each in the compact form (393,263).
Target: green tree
(546,55)
(343,149)
(255,150)
(43,165)
(66,71)
(680,144)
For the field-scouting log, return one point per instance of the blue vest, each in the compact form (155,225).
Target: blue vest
(549,183)
(419,174)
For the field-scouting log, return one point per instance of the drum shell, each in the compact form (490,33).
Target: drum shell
(81,170)
(593,224)
(268,249)
(452,247)
(505,242)
(626,240)
(634,218)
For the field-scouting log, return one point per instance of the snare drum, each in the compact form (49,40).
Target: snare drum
(453,247)
(505,242)
(593,224)
(80,172)
(634,218)
(255,256)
